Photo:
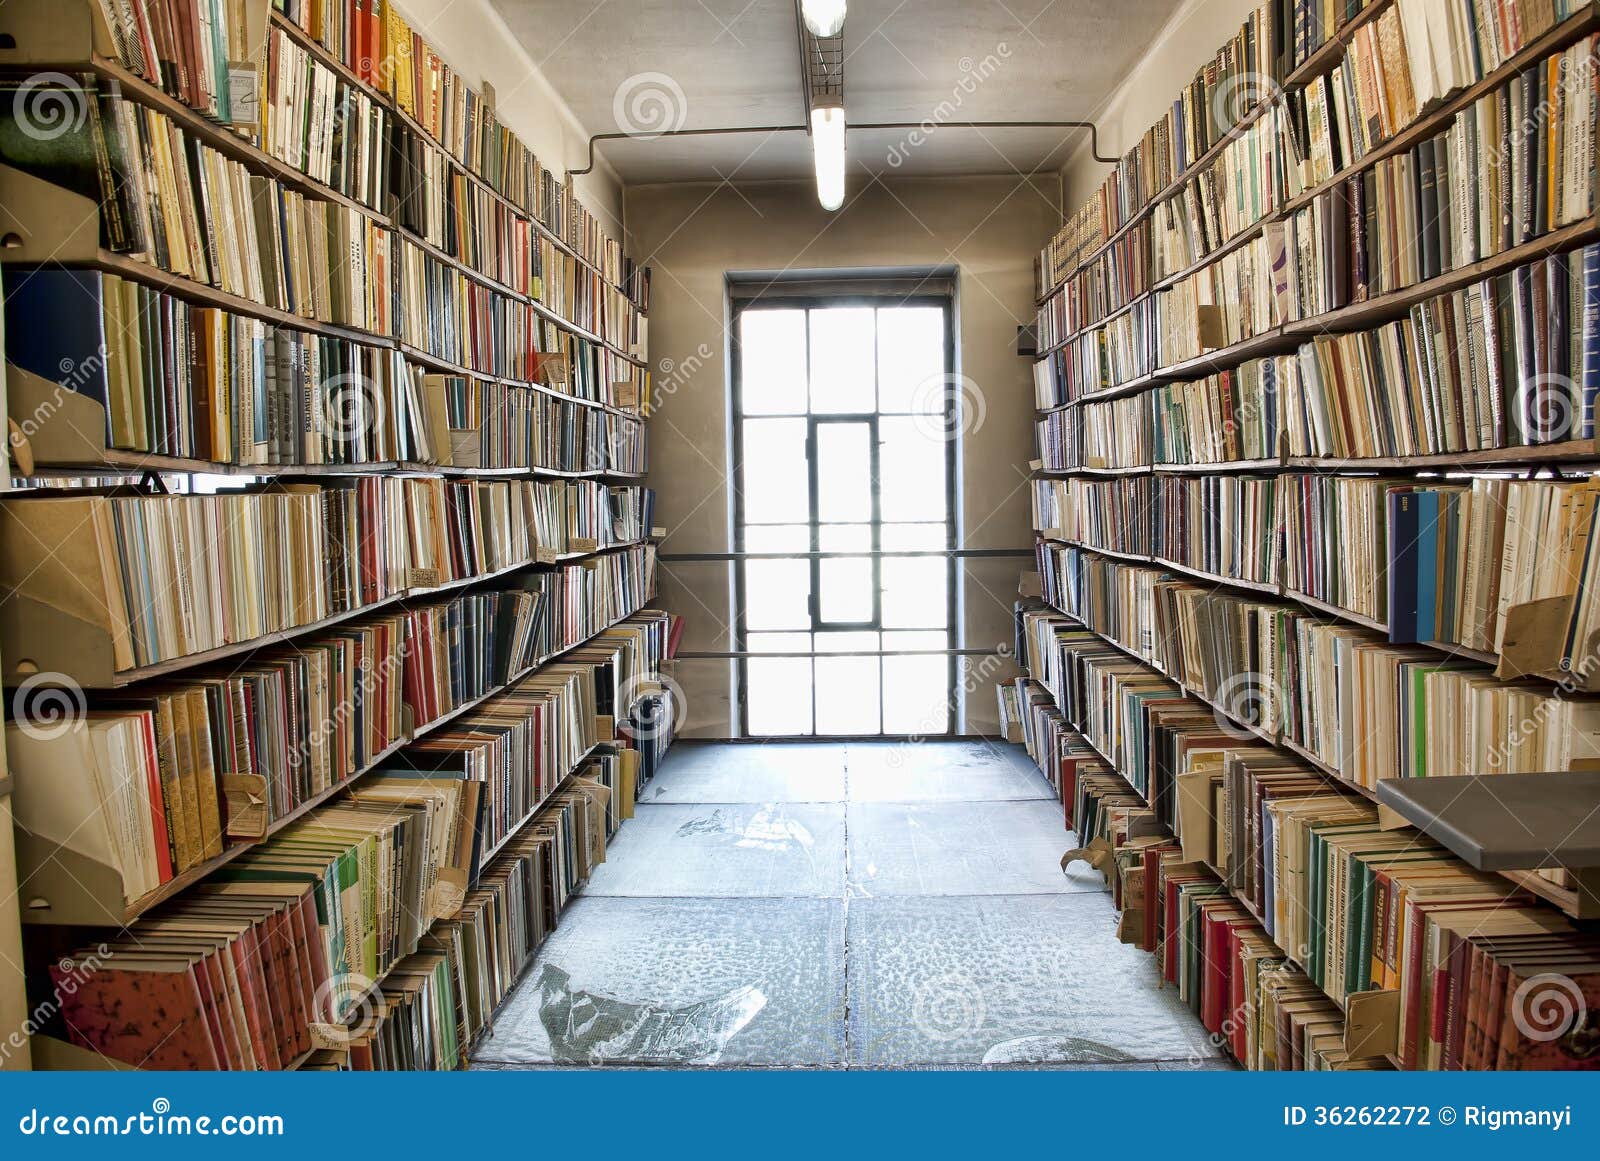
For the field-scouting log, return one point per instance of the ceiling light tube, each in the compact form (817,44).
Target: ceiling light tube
(827,146)
(823,17)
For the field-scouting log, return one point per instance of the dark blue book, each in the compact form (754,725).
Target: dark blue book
(1404,525)
(56,328)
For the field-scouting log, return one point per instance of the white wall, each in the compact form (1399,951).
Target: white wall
(693,235)
(1190,38)
(473,39)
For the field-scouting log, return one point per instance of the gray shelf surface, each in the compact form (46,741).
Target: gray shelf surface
(1505,822)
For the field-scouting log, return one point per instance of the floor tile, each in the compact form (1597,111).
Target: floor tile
(731,849)
(682,981)
(1007,980)
(942,772)
(961,848)
(749,772)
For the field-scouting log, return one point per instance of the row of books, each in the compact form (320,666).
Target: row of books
(1343,903)
(1428,561)
(1209,109)
(1400,63)
(1228,417)
(1506,362)
(1363,707)
(187,47)
(1399,222)
(436,1004)
(482,905)
(1343,114)
(1277,897)
(167,576)
(1225,302)
(200,382)
(1395,66)
(1448,561)
(1117,352)
(362,883)
(184,770)
(454,318)
(1119,275)
(171,200)
(335,132)
(342,136)
(1305,28)
(508,754)
(501,425)
(1243,186)
(1227,526)
(1254,1000)
(1509,168)
(384,52)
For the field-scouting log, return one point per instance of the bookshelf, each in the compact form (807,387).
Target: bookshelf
(473,548)
(1180,549)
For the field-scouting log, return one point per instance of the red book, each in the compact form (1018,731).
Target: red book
(150,1016)
(250,976)
(158,803)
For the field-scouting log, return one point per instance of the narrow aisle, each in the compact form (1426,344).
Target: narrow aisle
(837,905)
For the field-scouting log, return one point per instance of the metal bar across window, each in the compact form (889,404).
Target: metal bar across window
(805,554)
(738,655)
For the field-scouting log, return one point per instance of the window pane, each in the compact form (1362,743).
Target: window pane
(846,596)
(911,465)
(916,695)
(772,362)
(847,695)
(914,592)
(910,357)
(845,538)
(776,594)
(842,359)
(916,639)
(778,700)
(779,642)
(848,641)
(777,537)
(911,537)
(776,487)
(844,471)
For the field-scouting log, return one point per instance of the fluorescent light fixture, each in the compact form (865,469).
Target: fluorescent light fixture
(827,146)
(823,17)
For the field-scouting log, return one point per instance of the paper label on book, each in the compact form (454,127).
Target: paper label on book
(244,94)
(544,555)
(449,892)
(424,578)
(246,796)
(331,1036)
(584,544)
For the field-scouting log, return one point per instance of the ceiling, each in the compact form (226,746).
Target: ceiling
(648,64)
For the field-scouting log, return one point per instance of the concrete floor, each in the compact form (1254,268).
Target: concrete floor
(844,905)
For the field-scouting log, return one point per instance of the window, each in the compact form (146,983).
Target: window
(845,474)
